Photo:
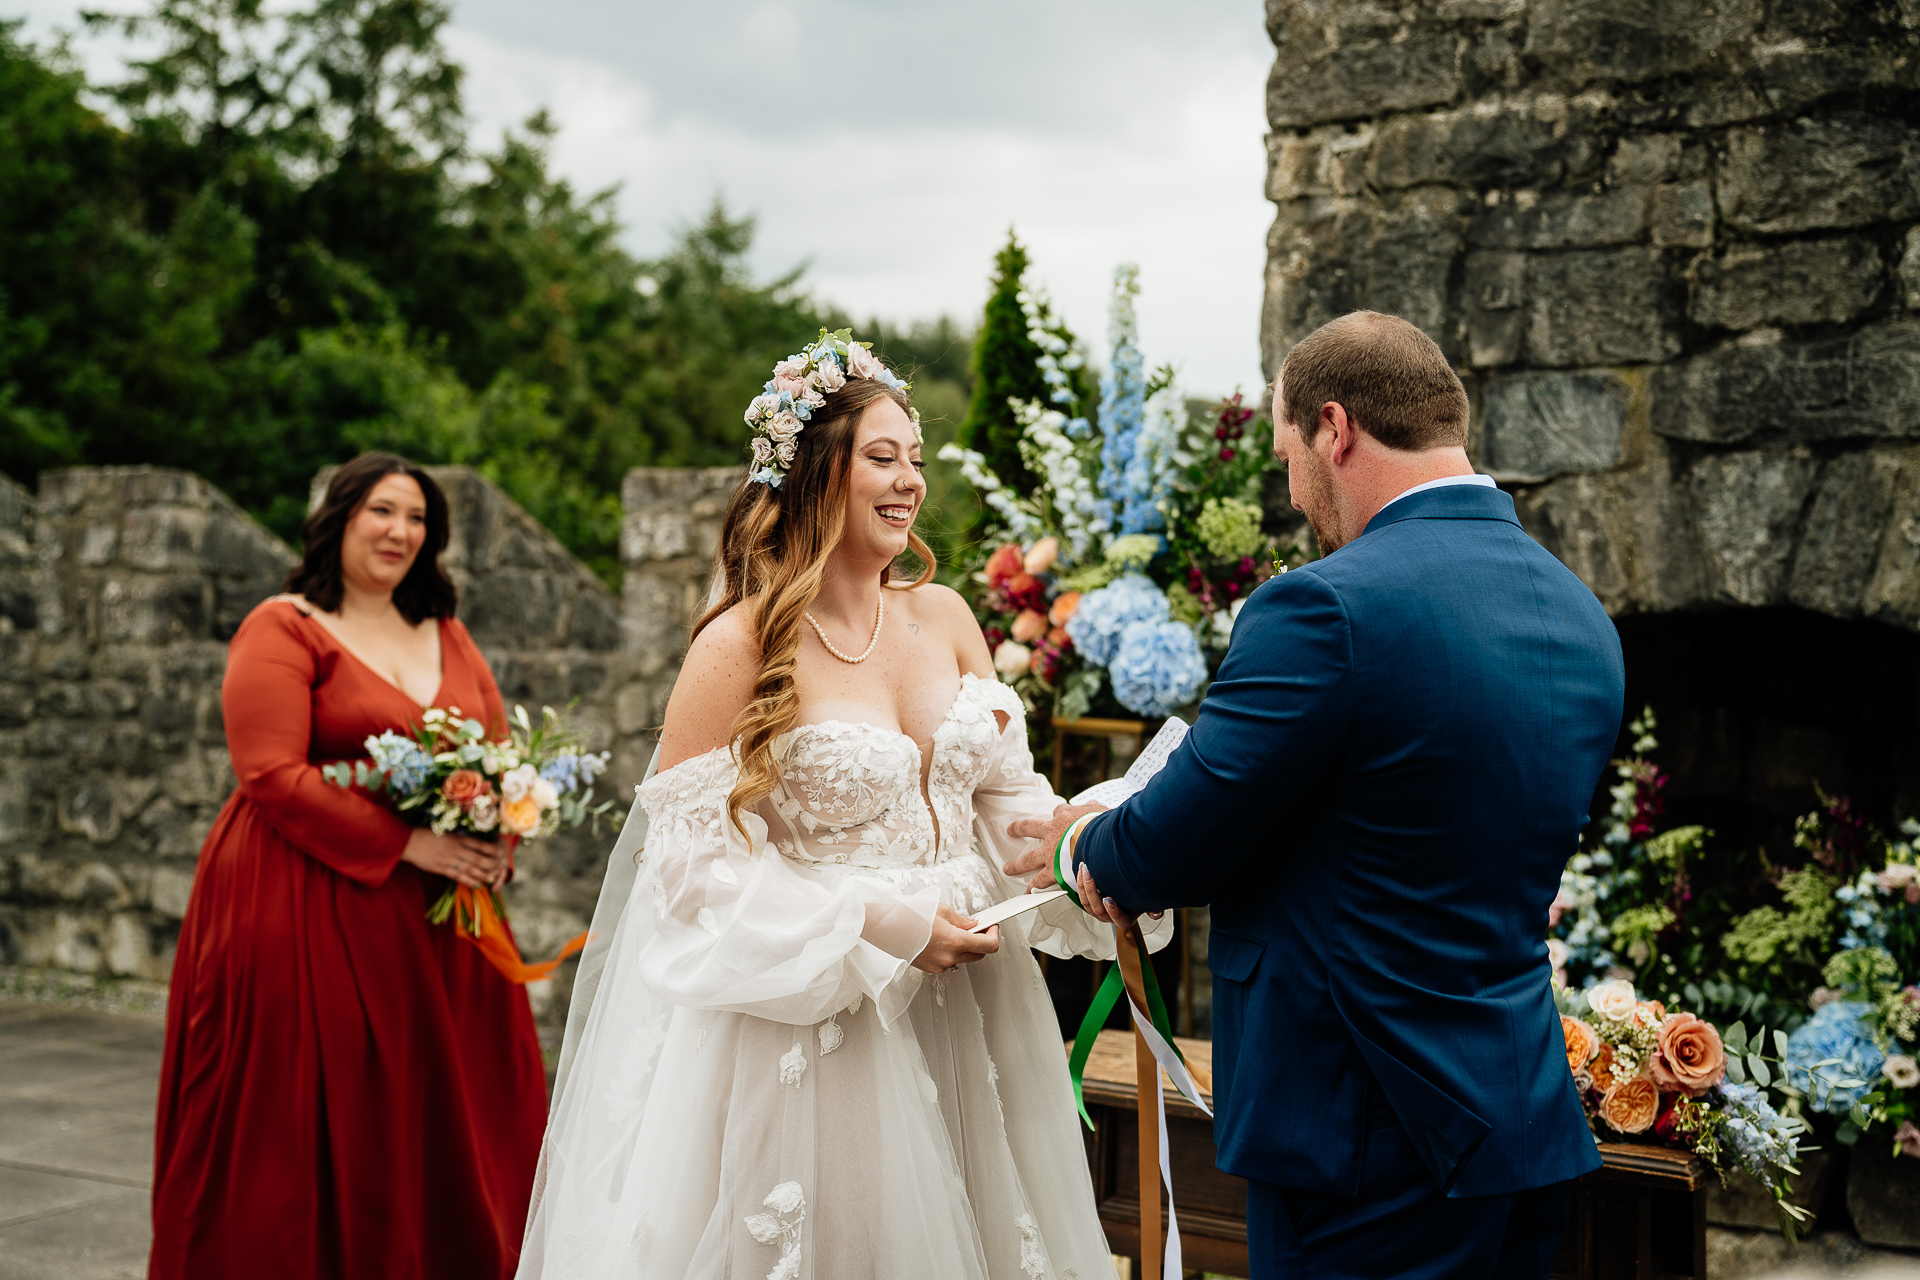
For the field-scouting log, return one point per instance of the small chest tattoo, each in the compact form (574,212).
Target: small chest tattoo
(914,627)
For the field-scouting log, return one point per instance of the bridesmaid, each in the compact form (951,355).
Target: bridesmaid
(347,1090)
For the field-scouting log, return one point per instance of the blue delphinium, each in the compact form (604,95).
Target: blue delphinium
(1123,411)
(1834,1031)
(570,770)
(404,761)
(1762,1139)
(1157,667)
(1104,613)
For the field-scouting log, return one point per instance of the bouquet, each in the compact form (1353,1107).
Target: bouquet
(449,777)
(1645,1074)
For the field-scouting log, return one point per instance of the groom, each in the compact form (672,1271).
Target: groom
(1376,801)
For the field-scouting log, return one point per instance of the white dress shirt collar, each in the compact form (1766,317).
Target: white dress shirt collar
(1441,483)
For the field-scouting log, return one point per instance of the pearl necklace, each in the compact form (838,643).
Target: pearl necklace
(879,616)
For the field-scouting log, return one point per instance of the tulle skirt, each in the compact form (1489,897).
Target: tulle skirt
(944,1148)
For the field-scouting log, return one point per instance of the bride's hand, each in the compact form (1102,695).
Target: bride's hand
(951,945)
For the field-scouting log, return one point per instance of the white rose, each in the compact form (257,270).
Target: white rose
(1012,659)
(1613,999)
(784,427)
(762,450)
(1556,953)
(783,453)
(545,794)
(829,374)
(1898,875)
(1901,1070)
(515,783)
(761,407)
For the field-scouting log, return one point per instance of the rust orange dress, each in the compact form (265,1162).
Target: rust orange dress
(347,1090)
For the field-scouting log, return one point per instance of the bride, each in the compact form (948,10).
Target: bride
(797,1061)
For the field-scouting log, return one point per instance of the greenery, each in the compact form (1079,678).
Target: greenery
(271,246)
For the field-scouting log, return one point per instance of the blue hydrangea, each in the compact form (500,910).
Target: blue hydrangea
(572,770)
(1834,1031)
(1104,613)
(1157,667)
(1761,1138)
(404,761)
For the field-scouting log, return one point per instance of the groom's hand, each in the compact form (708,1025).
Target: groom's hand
(1047,832)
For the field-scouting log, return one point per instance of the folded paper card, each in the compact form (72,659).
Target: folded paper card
(1000,911)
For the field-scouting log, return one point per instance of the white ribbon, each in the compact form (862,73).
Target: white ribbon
(1169,1062)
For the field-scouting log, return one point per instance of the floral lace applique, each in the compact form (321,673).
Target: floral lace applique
(830,1037)
(700,1041)
(787,1201)
(704,917)
(854,1008)
(1033,1255)
(940,989)
(793,1065)
(724,873)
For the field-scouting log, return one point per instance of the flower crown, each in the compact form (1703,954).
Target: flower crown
(800,384)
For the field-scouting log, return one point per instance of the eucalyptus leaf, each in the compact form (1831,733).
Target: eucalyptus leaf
(1780,1042)
(1735,1037)
(1758,1065)
(1736,1072)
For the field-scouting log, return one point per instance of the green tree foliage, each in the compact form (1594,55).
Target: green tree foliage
(281,250)
(1005,366)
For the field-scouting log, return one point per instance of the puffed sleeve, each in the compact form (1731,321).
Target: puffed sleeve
(266,699)
(744,929)
(1011,790)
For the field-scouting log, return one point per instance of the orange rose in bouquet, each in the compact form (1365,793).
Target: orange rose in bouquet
(1582,1042)
(1690,1059)
(1630,1105)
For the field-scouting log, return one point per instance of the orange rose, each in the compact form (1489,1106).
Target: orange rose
(1059,638)
(1690,1058)
(1602,1068)
(1631,1105)
(1065,605)
(463,786)
(1029,626)
(1582,1042)
(522,816)
(1004,563)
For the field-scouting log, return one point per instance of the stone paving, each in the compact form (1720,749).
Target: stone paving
(76,1141)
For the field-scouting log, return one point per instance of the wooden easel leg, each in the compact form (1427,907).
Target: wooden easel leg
(1130,955)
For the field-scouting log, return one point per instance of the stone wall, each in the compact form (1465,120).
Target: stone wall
(1673,246)
(119,588)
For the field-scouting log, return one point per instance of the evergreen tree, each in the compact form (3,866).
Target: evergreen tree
(1006,366)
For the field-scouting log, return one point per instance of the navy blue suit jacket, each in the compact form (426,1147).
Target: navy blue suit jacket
(1377,799)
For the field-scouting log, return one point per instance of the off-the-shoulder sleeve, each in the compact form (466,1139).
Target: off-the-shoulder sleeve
(266,699)
(1011,790)
(744,929)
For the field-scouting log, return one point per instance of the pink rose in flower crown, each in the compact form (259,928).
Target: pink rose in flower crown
(1689,1058)
(829,376)
(861,362)
(795,387)
(793,369)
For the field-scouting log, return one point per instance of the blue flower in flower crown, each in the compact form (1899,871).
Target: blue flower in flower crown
(1157,668)
(1103,614)
(800,384)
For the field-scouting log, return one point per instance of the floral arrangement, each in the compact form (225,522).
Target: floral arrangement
(1645,1074)
(449,777)
(800,384)
(1120,575)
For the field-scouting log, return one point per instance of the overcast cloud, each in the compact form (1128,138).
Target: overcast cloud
(889,144)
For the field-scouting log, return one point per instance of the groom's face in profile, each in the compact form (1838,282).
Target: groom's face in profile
(1309,480)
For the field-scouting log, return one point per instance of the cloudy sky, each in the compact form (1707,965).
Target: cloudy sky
(889,144)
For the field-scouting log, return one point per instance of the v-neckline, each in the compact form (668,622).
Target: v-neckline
(439,641)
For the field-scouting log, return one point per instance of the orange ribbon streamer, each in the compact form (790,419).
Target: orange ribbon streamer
(488,933)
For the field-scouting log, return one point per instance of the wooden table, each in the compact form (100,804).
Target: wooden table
(1642,1216)
(1212,1204)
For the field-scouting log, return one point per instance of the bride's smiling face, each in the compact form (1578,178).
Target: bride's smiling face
(885,488)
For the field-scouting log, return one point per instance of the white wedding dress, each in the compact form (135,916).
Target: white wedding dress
(760,1084)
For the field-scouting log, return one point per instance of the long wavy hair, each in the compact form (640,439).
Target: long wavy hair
(774,546)
(426,591)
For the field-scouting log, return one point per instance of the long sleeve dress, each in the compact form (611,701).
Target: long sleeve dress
(766,1087)
(347,1090)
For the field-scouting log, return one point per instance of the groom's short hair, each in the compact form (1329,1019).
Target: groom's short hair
(1390,378)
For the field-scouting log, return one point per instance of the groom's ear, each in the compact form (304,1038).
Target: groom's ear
(1339,430)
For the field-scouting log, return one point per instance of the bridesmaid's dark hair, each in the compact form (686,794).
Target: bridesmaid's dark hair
(426,591)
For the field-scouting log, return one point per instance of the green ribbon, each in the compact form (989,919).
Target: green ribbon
(1104,999)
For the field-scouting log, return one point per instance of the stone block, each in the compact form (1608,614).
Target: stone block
(1538,425)
(1487,145)
(86,809)
(1893,596)
(1863,386)
(129,948)
(1744,1202)
(1645,158)
(1800,282)
(1364,78)
(164,539)
(1909,271)
(1495,290)
(1747,509)
(1833,565)
(1329,161)
(1883,1193)
(1632,41)
(1565,220)
(171,888)
(1598,308)
(1682,216)
(1820,172)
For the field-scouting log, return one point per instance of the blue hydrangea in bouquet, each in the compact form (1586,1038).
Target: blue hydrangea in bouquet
(1114,583)
(451,778)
